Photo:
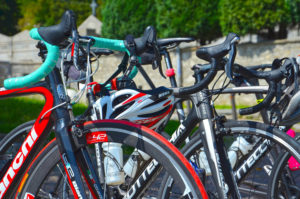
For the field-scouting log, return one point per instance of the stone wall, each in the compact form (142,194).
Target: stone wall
(20,52)
(248,54)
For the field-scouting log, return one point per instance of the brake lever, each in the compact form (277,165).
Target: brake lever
(232,54)
(229,64)
(296,71)
(157,60)
(154,65)
(160,71)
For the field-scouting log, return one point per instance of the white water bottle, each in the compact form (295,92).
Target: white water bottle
(113,162)
(240,144)
(204,162)
(136,159)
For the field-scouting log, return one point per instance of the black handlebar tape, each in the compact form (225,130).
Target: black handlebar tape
(245,72)
(265,103)
(198,86)
(262,66)
(274,75)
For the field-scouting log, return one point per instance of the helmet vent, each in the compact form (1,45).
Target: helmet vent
(121,109)
(155,102)
(120,99)
(156,113)
(104,111)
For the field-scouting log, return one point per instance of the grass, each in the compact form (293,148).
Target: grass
(229,106)
(224,106)
(15,111)
(171,126)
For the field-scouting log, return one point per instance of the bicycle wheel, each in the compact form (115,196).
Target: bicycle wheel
(285,182)
(255,183)
(46,176)
(10,144)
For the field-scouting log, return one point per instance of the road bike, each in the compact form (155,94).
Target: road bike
(284,113)
(240,125)
(198,146)
(246,129)
(230,128)
(260,170)
(73,136)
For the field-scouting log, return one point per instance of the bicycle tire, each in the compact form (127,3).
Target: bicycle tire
(285,183)
(126,133)
(10,144)
(239,128)
(15,135)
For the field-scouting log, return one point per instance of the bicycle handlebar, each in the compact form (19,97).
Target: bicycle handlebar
(148,39)
(52,36)
(262,66)
(112,44)
(213,54)
(198,86)
(53,51)
(265,103)
(272,77)
(41,72)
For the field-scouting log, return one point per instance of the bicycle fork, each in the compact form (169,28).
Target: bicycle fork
(214,149)
(67,142)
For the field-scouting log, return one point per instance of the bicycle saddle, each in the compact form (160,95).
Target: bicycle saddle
(58,33)
(172,42)
(217,51)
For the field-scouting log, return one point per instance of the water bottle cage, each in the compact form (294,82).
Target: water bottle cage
(109,155)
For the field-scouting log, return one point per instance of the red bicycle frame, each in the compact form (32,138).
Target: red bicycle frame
(29,148)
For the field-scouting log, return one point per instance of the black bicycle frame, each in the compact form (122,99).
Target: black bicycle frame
(202,112)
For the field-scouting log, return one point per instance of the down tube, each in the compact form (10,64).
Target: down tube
(29,148)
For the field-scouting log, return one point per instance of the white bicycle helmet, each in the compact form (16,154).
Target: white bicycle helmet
(148,108)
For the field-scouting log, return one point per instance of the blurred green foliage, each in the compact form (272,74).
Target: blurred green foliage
(252,16)
(9,16)
(205,20)
(49,12)
(121,17)
(193,18)
(294,6)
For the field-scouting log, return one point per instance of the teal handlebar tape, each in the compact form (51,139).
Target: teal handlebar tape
(112,44)
(133,72)
(41,72)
